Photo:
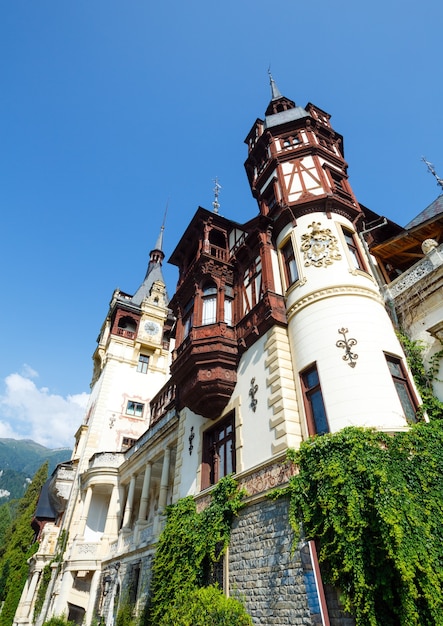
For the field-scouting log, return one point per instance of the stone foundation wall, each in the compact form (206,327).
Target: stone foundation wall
(262,571)
(276,584)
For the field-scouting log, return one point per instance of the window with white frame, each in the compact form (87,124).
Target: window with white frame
(209,296)
(134,408)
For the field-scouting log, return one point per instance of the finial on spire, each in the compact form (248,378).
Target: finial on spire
(159,244)
(433,172)
(216,203)
(275,92)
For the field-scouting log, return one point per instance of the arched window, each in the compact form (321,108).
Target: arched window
(209,314)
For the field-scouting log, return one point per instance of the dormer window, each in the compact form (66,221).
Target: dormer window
(209,297)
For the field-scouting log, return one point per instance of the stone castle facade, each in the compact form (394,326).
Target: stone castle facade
(279,329)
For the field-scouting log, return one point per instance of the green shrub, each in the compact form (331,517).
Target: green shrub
(204,606)
(60,620)
(125,615)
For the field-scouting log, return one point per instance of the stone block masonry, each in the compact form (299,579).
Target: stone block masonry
(263,571)
(275,582)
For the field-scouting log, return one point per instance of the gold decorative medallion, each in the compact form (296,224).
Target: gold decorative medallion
(319,247)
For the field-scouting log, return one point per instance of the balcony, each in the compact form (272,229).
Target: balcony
(163,402)
(128,334)
(106,459)
(415,273)
(205,368)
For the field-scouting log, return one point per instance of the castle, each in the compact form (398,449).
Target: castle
(279,329)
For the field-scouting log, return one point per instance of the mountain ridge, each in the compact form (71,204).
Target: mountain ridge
(19,461)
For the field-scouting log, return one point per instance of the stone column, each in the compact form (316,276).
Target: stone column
(164,482)
(129,503)
(111,527)
(145,491)
(65,587)
(85,511)
(92,596)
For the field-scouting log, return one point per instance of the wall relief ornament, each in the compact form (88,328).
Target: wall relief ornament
(320,246)
(347,344)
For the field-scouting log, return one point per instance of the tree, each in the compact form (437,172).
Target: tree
(18,547)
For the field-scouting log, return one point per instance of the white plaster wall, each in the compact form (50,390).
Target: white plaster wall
(97,514)
(254,437)
(187,464)
(118,383)
(339,272)
(361,396)
(256,434)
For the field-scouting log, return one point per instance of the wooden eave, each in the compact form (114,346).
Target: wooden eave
(404,249)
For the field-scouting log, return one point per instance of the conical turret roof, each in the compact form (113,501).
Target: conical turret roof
(154,271)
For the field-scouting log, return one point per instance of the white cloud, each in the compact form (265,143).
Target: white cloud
(30,412)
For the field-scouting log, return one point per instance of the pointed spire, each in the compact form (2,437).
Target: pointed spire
(275,92)
(159,243)
(154,271)
(156,255)
(278,102)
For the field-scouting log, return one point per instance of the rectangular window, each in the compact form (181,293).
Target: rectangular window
(143,362)
(228,311)
(134,408)
(313,400)
(290,265)
(209,315)
(354,250)
(403,387)
(127,442)
(188,318)
(218,452)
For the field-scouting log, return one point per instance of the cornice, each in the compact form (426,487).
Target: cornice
(331,292)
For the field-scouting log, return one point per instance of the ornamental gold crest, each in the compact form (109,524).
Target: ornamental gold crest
(319,247)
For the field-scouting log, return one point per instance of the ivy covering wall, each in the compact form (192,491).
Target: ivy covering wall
(374,504)
(188,548)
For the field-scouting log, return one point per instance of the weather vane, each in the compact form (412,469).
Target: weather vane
(216,203)
(431,168)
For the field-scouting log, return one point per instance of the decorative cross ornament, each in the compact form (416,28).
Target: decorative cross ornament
(347,344)
(252,391)
(191,439)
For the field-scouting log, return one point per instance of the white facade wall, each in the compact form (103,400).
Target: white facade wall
(325,300)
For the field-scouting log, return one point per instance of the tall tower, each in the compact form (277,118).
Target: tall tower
(131,364)
(350,366)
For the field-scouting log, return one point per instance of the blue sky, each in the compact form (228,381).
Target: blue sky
(111,110)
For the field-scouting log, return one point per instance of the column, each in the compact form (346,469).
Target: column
(129,503)
(92,597)
(62,599)
(85,511)
(145,491)
(111,527)
(164,482)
